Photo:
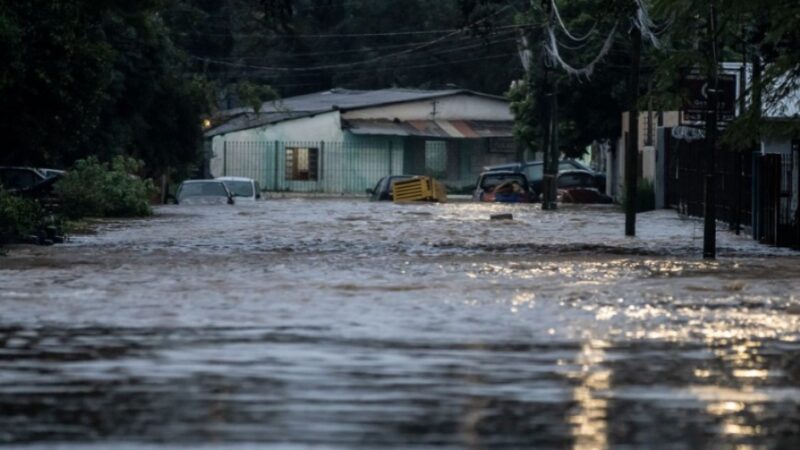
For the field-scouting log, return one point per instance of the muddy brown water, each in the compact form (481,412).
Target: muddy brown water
(347,324)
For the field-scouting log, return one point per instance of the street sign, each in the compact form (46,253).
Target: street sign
(697,88)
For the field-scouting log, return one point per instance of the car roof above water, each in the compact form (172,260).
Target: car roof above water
(233,179)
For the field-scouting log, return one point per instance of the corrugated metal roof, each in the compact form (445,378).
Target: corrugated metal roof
(246,121)
(349,99)
(336,99)
(457,129)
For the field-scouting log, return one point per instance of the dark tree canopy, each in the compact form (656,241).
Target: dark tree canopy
(108,77)
(94,78)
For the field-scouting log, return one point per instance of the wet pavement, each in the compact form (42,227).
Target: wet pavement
(346,324)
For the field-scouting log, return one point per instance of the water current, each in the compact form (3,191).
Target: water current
(345,324)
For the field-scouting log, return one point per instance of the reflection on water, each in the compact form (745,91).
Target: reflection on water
(591,413)
(357,325)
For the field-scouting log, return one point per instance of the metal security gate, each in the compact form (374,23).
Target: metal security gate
(776,189)
(321,167)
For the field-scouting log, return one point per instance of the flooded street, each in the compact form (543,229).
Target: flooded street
(346,324)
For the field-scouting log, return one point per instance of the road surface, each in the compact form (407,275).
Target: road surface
(346,324)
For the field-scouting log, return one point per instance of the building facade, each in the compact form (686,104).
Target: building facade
(344,141)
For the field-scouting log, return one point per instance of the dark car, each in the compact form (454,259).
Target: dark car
(503,186)
(579,186)
(383,189)
(534,170)
(203,192)
(19,178)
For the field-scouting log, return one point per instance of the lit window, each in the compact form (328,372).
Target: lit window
(302,164)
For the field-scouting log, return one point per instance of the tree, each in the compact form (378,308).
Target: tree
(302,46)
(590,106)
(94,78)
(764,32)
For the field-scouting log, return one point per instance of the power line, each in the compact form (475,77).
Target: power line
(420,66)
(350,64)
(364,49)
(436,52)
(339,35)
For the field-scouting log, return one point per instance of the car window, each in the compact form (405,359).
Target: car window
(569,180)
(210,189)
(571,164)
(18,178)
(240,188)
(378,186)
(566,165)
(534,172)
(490,181)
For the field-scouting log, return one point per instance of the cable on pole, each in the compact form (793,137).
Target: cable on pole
(554,56)
(564,27)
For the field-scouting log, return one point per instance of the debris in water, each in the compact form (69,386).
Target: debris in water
(502,217)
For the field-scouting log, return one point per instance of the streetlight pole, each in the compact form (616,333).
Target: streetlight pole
(710,212)
(632,148)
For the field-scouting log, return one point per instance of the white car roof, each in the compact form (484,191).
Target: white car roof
(233,179)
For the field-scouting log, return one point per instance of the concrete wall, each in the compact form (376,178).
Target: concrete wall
(648,156)
(324,127)
(457,107)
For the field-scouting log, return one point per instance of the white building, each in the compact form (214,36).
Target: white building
(345,140)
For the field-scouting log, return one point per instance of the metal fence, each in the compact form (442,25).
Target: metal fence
(733,179)
(332,167)
(752,189)
(777,188)
(344,167)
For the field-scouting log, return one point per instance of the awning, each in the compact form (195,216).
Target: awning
(450,129)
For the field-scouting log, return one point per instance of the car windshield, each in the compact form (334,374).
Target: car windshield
(240,188)
(570,180)
(206,189)
(490,181)
(534,171)
(571,164)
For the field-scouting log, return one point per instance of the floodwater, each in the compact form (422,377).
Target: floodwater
(346,324)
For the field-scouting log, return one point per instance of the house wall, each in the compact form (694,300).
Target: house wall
(350,163)
(245,148)
(457,107)
(647,143)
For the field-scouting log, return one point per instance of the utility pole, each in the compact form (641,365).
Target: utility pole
(710,213)
(632,150)
(546,127)
(550,142)
(554,148)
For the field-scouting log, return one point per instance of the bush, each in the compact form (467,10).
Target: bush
(645,197)
(18,216)
(94,189)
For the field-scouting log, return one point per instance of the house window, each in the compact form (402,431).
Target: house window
(435,157)
(302,163)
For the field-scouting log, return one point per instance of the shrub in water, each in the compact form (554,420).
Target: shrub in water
(18,216)
(95,189)
(645,197)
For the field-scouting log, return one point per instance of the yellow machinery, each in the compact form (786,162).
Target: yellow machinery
(419,189)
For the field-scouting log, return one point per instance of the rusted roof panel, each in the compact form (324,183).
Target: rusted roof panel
(445,129)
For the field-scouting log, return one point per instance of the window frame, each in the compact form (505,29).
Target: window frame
(293,170)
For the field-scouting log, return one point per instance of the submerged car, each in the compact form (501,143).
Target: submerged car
(579,186)
(503,187)
(21,178)
(242,188)
(203,192)
(383,190)
(534,171)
